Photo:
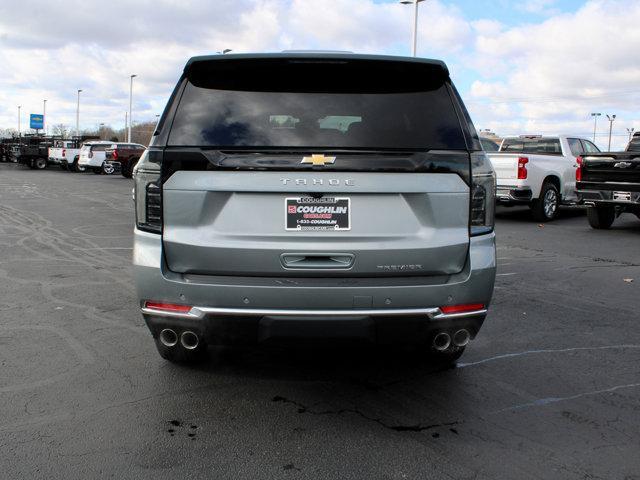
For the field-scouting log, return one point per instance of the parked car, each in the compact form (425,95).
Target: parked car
(539,171)
(291,196)
(33,151)
(124,156)
(66,153)
(609,184)
(93,154)
(6,144)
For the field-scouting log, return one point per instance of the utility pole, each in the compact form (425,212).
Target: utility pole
(612,118)
(78,115)
(630,132)
(415,23)
(130,106)
(595,124)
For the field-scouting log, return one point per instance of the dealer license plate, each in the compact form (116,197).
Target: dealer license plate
(325,213)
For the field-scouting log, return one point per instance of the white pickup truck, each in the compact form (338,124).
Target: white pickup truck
(66,153)
(539,171)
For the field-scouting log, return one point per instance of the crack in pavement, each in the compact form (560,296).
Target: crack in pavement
(398,428)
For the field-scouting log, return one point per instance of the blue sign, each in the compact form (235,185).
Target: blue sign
(36,121)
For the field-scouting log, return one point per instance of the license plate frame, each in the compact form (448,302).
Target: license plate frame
(622,196)
(324,214)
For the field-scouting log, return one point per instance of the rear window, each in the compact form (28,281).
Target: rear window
(340,104)
(544,145)
(634,146)
(100,147)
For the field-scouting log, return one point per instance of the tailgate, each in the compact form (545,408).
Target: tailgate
(505,166)
(617,168)
(235,223)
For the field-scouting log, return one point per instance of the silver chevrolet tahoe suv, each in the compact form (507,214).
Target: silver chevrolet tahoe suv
(301,196)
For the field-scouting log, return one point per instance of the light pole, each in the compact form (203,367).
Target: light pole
(19,107)
(130,105)
(78,115)
(415,22)
(612,118)
(630,132)
(595,124)
(126,124)
(44,116)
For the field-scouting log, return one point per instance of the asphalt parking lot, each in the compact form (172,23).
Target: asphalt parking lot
(549,389)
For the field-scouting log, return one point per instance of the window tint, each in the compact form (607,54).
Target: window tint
(543,145)
(590,147)
(367,105)
(576,147)
(488,145)
(99,148)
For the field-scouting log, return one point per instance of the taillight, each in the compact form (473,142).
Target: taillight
(522,168)
(148,192)
(579,169)
(115,154)
(64,152)
(470,307)
(483,195)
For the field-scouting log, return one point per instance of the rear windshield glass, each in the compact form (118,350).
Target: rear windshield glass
(368,105)
(548,145)
(634,146)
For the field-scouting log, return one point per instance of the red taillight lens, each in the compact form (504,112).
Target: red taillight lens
(522,168)
(579,169)
(64,152)
(471,307)
(115,154)
(167,307)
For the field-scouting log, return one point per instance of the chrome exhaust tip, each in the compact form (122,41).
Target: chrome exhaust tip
(168,337)
(441,341)
(461,338)
(189,340)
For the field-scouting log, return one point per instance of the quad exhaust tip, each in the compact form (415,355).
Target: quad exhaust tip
(461,338)
(189,340)
(168,337)
(441,341)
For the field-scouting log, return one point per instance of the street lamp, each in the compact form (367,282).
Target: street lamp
(630,132)
(44,116)
(595,124)
(130,106)
(415,21)
(19,107)
(78,115)
(612,118)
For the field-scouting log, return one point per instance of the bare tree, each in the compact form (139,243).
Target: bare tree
(60,129)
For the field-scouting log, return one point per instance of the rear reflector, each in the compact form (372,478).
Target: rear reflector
(472,307)
(167,307)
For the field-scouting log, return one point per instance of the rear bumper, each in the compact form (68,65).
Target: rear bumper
(606,197)
(513,194)
(230,310)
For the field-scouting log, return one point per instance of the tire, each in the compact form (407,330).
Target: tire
(601,218)
(40,163)
(63,166)
(180,355)
(545,208)
(127,172)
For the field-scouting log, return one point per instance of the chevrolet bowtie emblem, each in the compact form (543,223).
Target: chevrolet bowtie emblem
(318,160)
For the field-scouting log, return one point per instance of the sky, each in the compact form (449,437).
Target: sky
(522,67)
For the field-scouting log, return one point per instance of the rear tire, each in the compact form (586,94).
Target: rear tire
(179,355)
(40,163)
(601,218)
(108,168)
(545,208)
(76,167)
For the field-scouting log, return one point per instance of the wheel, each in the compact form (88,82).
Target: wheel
(108,168)
(127,171)
(63,166)
(97,170)
(601,218)
(40,163)
(545,208)
(178,354)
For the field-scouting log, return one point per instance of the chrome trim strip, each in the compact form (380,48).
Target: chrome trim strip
(202,312)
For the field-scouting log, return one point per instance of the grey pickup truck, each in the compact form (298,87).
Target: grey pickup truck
(609,184)
(304,196)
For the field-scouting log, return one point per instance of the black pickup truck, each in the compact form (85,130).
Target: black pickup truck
(609,184)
